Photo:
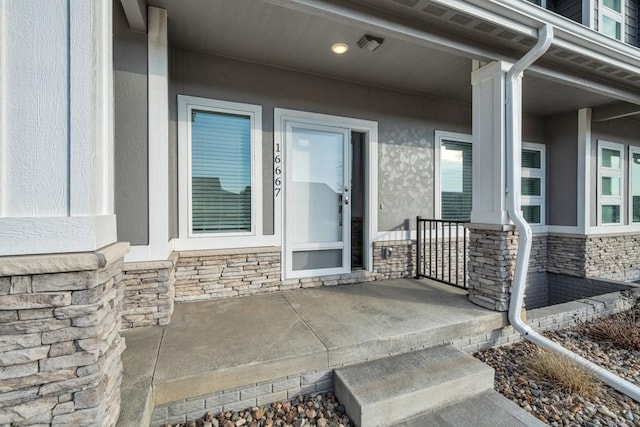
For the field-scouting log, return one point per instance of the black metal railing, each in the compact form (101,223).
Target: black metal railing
(441,253)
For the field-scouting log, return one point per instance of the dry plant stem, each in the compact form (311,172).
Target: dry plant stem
(562,372)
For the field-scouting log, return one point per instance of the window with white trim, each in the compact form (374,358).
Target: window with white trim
(220,146)
(611,18)
(454,169)
(610,180)
(532,183)
(634,185)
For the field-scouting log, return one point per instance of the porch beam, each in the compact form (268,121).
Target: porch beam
(616,110)
(136,12)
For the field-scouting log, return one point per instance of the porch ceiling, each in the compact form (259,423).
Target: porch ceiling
(270,34)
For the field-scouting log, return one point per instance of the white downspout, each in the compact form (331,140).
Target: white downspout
(513,145)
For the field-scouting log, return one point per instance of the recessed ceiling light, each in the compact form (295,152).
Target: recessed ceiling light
(339,48)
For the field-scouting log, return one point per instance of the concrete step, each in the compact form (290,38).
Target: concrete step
(386,391)
(488,409)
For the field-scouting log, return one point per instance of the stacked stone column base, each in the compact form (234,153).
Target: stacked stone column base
(60,348)
(490,265)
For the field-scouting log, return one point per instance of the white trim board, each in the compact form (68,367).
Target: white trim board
(158,131)
(186,104)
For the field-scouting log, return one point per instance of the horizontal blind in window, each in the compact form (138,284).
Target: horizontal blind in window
(456,180)
(220,172)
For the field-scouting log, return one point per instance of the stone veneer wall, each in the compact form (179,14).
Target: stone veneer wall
(610,256)
(537,290)
(491,261)
(149,293)
(400,263)
(204,275)
(60,348)
(566,254)
(613,257)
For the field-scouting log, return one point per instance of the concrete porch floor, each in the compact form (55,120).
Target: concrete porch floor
(221,344)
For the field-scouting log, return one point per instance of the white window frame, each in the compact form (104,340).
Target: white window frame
(613,15)
(441,136)
(613,173)
(536,173)
(543,3)
(188,240)
(632,150)
(282,116)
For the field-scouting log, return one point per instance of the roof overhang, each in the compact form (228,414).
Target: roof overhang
(590,68)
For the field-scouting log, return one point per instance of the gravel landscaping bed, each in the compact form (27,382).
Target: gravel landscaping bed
(606,407)
(318,409)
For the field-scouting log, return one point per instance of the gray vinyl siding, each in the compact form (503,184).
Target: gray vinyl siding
(571,9)
(130,130)
(631,22)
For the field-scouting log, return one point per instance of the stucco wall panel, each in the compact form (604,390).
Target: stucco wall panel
(406,123)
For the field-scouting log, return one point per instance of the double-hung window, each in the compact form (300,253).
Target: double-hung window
(532,188)
(634,184)
(219,168)
(610,174)
(611,18)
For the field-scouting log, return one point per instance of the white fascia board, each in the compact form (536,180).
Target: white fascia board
(568,34)
(585,84)
(136,12)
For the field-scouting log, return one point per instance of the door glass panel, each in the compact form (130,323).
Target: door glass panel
(317,182)
(312,260)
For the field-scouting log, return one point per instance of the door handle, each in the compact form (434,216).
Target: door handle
(346,200)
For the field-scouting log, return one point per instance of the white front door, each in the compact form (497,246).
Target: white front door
(317,208)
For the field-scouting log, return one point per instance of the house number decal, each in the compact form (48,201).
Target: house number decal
(277,171)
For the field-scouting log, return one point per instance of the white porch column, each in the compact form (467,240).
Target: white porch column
(488,202)
(56,121)
(492,241)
